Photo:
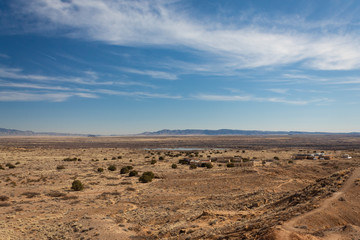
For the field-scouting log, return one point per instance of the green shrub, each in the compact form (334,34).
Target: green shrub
(77,185)
(193,166)
(229,165)
(60,167)
(112,168)
(119,157)
(124,170)
(70,159)
(209,165)
(161,158)
(9,165)
(153,162)
(174,166)
(133,173)
(146,177)
(130,167)
(4,198)
(100,169)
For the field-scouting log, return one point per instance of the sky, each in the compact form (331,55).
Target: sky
(125,67)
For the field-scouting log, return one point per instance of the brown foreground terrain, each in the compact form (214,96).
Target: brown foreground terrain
(280,199)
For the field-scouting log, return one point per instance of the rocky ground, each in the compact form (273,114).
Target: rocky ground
(37,202)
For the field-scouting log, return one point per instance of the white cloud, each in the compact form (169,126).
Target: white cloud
(13,96)
(4,55)
(278,90)
(138,94)
(160,23)
(151,73)
(248,98)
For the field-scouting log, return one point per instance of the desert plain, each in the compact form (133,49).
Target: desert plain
(277,197)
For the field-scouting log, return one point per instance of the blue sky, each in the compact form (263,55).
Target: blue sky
(120,67)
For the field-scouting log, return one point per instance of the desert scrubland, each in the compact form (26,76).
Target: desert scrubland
(281,198)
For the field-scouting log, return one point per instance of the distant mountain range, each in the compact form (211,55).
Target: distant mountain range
(167,132)
(14,132)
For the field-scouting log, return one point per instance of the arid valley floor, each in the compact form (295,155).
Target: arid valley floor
(280,199)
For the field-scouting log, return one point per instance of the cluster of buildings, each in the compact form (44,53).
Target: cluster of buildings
(236,161)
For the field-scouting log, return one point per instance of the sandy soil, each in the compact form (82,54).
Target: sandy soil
(270,201)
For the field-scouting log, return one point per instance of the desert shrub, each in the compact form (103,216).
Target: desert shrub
(153,162)
(146,177)
(4,198)
(290,161)
(77,185)
(60,167)
(245,159)
(193,166)
(1,167)
(113,158)
(174,166)
(70,159)
(133,173)
(276,158)
(56,194)
(130,189)
(100,169)
(17,163)
(209,165)
(130,160)
(243,151)
(130,167)
(10,165)
(105,158)
(229,165)
(119,157)
(30,194)
(112,168)
(124,170)
(161,158)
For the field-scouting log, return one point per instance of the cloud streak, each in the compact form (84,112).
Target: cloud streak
(249,98)
(160,23)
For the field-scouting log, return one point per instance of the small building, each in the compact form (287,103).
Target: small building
(347,156)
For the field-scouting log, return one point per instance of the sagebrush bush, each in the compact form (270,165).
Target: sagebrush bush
(112,168)
(124,170)
(174,166)
(133,173)
(77,185)
(161,158)
(100,169)
(10,165)
(1,167)
(230,165)
(146,177)
(193,166)
(60,167)
(209,165)
(71,159)
(276,158)
(153,162)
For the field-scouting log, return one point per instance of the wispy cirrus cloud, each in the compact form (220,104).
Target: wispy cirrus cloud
(20,96)
(4,55)
(162,23)
(151,73)
(249,98)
